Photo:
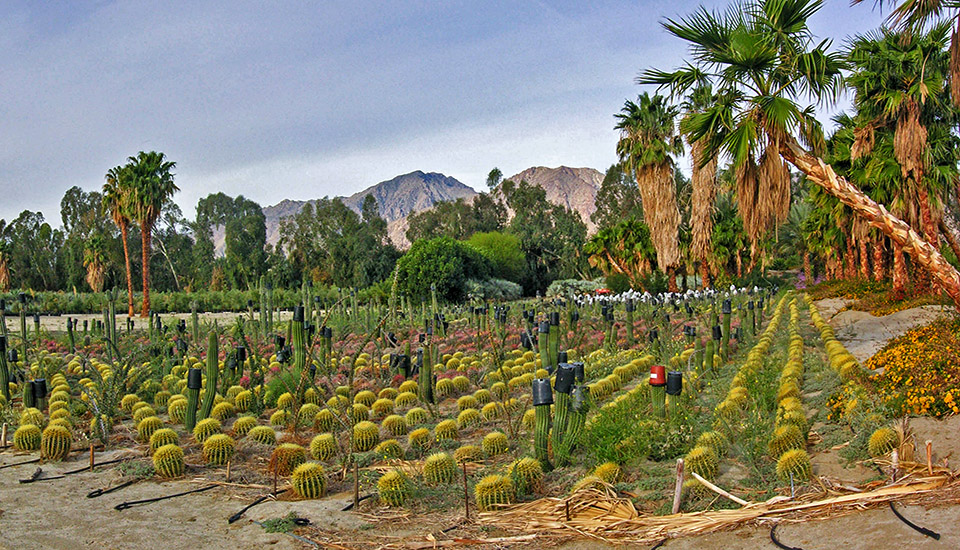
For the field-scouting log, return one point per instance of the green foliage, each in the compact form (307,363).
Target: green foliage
(281,525)
(503,251)
(568,288)
(442,262)
(618,282)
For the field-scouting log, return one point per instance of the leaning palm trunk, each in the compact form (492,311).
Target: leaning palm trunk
(704,191)
(660,211)
(876,215)
(950,234)
(807,268)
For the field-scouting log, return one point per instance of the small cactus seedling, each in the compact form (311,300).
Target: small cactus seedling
(493,490)
(27,437)
(263,435)
(168,461)
(286,457)
(439,468)
(55,443)
(218,449)
(392,488)
(308,480)
(323,447)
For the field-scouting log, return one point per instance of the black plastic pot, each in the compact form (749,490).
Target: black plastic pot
(22,298)
(525,340)
(689,310)
(554,319)
(3,344)
(653,334)
(631,307)
(194,379)
(313,371)
(727,307)
(542,394)
(561,357)
(39,388)
(565,379)
(298,314)
(13,356)
(717,332)
(666,317)
(327,333)
(578,370)
(674,382)
(575,315)
(241,353)
(750,305)
(544,327)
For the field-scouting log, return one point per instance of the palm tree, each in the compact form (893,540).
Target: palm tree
(648,136)
(761,58)
(116,192)
(152,179)
(93,260)
(704,180)
(912,15)
(625,248)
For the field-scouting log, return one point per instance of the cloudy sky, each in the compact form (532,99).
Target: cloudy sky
(299,100)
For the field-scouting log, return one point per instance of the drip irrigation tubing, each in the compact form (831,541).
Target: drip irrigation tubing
(238,515)
(131,504)
(773,539)
(100,492)
(932,534)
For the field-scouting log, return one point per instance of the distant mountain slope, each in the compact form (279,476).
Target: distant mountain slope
(574,188)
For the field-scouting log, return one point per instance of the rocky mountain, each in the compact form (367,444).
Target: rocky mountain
(396,198)
(575,188)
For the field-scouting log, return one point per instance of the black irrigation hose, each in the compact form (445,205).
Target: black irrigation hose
(773,538)
(34,461)
(131,504)
(100,492)
(95,464)
(239,514)
(659,544)
(932,534)
(349,507)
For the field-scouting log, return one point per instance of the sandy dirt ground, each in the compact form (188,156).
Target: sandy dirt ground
(59,322)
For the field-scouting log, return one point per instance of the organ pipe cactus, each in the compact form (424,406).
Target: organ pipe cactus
(213,370)
(193,397)
(542,399)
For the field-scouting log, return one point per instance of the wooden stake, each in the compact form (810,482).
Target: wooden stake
(356,484)
(566,509)
(91,457)
(228,470)
(3,435)
(895,463)
(275,469)
(678,489)
(466,494)
(929,445)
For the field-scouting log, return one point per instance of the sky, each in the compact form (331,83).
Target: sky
(300,100)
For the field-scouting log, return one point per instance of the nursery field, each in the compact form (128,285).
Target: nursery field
(701,420)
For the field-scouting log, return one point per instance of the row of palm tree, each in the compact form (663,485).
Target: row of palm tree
(748,92)
(137,192)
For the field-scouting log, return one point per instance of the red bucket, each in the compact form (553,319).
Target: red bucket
(658,375)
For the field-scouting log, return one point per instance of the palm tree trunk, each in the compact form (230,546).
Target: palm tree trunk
(145,231)
(876,215)
(878,271)
(704,273)
(124,231)
(851,260)
(672,279)
(864,260)
(807,268)
(899,273)
(739,260)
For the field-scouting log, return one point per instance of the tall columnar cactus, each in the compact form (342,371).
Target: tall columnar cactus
(298,343)
(542,399)
(544,344)
(263,307)
(194,322)
(629,308)
(4,370)
(71,338)
(725,341)
(425,379)
(193,397)
(22,298)
(213,370)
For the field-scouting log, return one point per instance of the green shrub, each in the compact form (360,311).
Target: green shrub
(443,262)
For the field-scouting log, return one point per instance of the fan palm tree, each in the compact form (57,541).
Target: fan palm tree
(704,180)
(648,136)
(93,260)
(910,16)
(152,186)
(116,192)
(761,58)
(625,248)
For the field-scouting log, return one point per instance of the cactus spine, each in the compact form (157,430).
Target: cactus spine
(213,370)
(308,480)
